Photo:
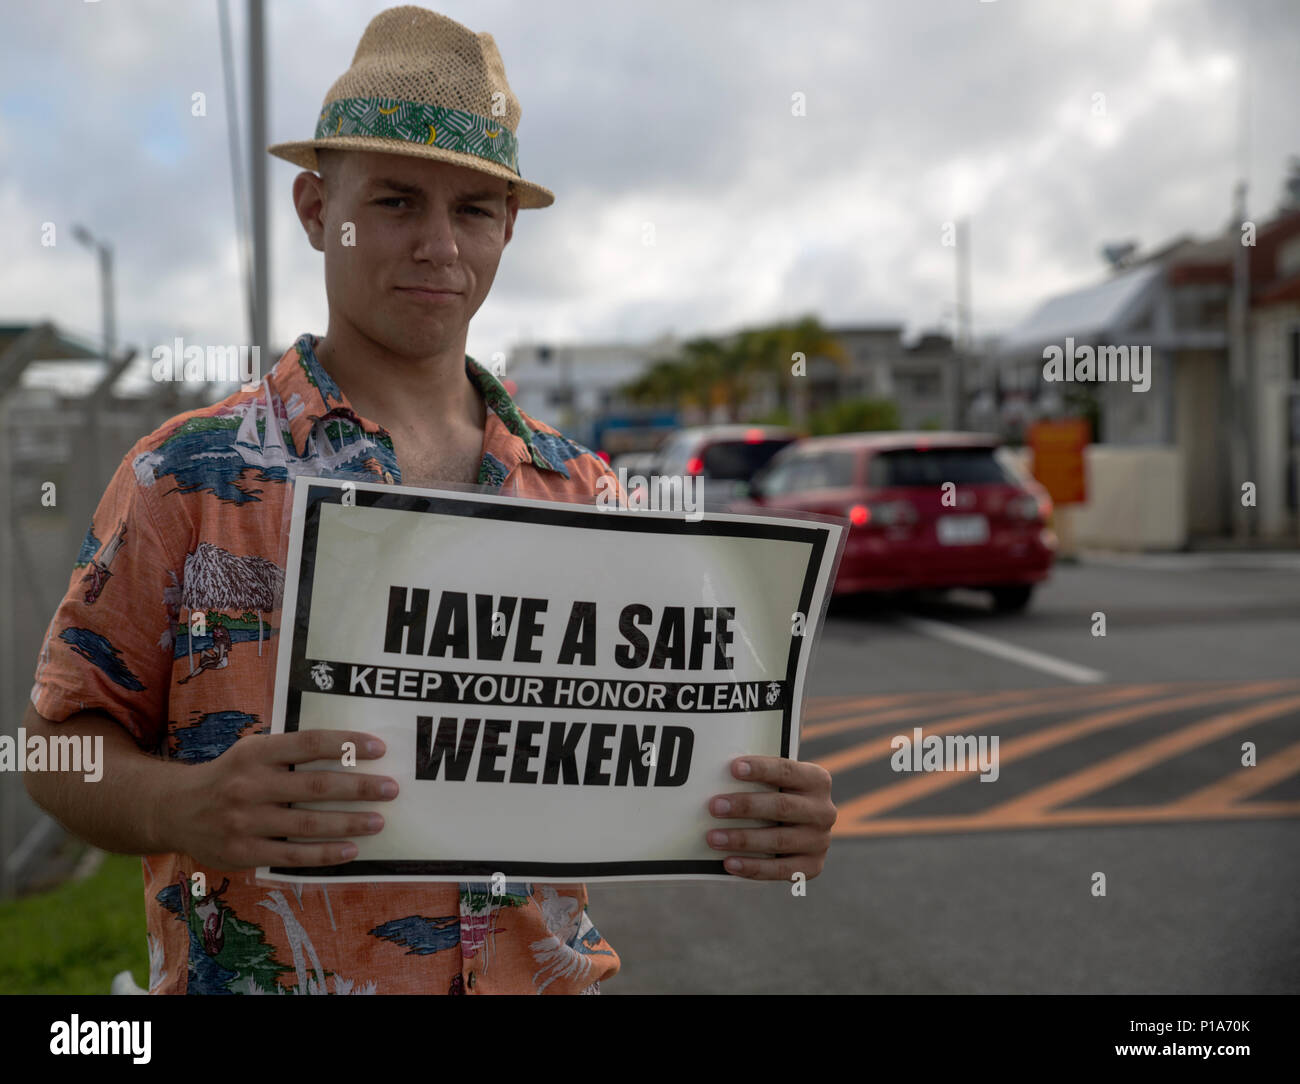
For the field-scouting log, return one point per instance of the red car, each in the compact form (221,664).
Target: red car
(925,510)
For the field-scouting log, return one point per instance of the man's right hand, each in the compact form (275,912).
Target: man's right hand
(232,812)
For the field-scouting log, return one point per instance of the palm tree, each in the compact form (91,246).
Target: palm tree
(772,351)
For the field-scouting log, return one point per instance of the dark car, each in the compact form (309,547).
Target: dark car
(726,457)
(925,510)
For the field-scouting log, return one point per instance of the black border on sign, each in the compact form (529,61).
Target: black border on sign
(556,514)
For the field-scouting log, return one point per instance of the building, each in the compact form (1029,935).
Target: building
(570,385)
(1175,306)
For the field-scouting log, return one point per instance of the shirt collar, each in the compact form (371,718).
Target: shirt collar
(310,394)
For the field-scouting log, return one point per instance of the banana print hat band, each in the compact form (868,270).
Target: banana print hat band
(422,84)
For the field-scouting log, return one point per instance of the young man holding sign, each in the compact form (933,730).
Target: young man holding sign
(416,199)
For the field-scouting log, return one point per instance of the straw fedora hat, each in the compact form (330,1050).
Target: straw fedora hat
(423,85)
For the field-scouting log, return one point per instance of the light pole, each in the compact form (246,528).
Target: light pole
(109,320)
(107,316)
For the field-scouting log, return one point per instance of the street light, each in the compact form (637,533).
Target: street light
(105,252)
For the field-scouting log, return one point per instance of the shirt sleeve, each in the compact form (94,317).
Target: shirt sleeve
(109,645)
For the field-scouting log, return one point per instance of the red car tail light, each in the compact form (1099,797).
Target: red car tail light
(1031,507)
(859,515)
(694,465)
(891,513)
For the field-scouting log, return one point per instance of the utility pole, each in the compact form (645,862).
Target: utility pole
(961,345)
(1243,412)
(257,164)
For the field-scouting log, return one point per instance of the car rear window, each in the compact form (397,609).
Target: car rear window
(739,459)
(934,466)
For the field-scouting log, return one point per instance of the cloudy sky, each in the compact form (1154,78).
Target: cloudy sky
(1057,126)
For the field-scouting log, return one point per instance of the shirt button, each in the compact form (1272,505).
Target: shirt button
(472,976)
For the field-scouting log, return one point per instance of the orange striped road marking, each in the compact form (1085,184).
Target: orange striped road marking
(879,748)
(1065,818)
(1045,698)
(819,708)
(822,707)
(1244,782)
(915,787)
(1138,759)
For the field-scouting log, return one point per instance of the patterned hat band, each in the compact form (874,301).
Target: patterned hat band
(416,122)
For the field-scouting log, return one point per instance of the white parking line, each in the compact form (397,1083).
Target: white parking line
(1035,660)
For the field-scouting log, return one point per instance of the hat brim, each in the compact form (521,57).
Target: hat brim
(303,153)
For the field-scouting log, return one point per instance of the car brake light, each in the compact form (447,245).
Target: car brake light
(891,513)
(604,456)
(1029,506)
(694,465)
(859,515)
(753,436)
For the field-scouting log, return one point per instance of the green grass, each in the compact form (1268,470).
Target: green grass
(74,938)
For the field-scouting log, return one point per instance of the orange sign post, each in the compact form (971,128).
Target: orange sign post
(1058,448)
(1058,465)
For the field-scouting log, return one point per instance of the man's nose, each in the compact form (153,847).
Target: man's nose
(438,237)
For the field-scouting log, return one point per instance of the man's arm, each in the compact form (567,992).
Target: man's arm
(226,813)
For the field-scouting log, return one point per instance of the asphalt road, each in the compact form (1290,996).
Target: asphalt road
(1118,755)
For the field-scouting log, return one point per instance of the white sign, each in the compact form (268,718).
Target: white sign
(561,688)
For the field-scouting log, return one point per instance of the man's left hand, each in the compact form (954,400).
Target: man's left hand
(803,807)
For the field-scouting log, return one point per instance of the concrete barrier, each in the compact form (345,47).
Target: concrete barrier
(1136,498)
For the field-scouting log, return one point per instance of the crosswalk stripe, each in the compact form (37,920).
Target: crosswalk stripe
(1243,782)
(880,748)
(1130,762)
(1046,699)
(911,789)
(1067,818)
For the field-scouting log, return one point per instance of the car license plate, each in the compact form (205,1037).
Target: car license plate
(962,530)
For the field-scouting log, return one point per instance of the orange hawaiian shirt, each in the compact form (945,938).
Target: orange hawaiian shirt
(214,483)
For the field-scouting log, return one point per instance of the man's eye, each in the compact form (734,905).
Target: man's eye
(478,211)
(388,200)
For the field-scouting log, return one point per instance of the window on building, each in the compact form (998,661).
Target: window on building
(919,383)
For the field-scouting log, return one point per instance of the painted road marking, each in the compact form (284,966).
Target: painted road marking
(1034,660)
(1224,799)
(880,748)
(1132,761)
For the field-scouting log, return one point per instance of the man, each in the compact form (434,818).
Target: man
(416,198)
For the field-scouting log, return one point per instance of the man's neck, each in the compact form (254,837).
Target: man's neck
(421,397)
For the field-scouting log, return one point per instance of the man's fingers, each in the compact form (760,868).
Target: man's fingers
(766,805)
(344,785)
(312,824)
(800,775)
(304,746)
(783,839)
(775,869)
(305,854)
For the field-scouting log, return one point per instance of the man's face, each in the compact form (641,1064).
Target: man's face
(417,226)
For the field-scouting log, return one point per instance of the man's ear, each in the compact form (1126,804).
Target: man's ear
(512,209)
(309,202)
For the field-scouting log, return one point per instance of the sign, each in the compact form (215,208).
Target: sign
(561,688)
(1058,458)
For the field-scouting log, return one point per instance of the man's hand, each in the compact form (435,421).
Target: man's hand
(803,807)
(228,812)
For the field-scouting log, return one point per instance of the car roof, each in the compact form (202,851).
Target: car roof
(721,432)
(892,441)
